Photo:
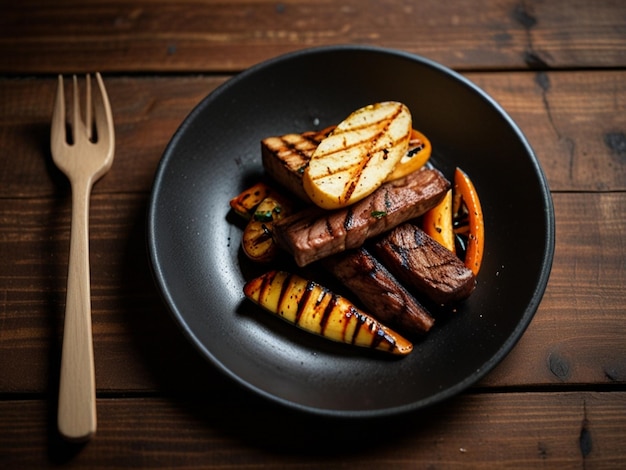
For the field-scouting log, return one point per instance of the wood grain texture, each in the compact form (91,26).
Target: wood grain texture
(558,400)
(575,122)
(569,340)
(146,113)
(576,337)
(510,430)
(229,36)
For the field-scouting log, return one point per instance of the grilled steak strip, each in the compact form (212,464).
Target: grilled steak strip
(313,234)
(285,157)
(419,261)
(382,295)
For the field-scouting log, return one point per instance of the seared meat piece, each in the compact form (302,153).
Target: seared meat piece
(419,261)
(313,234)
(382,295)
(285,157)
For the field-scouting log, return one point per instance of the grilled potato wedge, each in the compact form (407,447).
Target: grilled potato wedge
(247,201)
(356,158)
(315,309)
(257,241)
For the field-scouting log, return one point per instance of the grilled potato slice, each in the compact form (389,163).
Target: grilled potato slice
(315,309)
(356,158)
(257,241)
(247,201)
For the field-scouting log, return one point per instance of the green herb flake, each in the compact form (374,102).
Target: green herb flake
(263,216)
(378,214)
(267,215)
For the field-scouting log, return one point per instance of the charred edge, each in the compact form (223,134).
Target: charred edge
(371,269)
(304,155)
(403,254)
(387,199)
(285,289)
(418,236)
(266,235)
(348,222)
(266,284)
(295,148)
(360,320)
(313,139)
(332,303)
(304,301)
(329,227)
(414,150)
(350,189)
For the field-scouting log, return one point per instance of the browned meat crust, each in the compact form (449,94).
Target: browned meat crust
(313,234)
(285,157)
(381,294)
(421,262)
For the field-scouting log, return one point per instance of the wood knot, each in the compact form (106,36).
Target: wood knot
(559,366)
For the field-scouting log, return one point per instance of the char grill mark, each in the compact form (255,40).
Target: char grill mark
(286,157)
(303,301)
(375,138)
(332,303)
(421,262)
(379,291)
(349,220)
(314,234)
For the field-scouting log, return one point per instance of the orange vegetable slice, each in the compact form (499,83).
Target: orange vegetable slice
(415,157)
(465,193)
(437,222)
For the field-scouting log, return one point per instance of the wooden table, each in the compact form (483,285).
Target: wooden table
(557,401)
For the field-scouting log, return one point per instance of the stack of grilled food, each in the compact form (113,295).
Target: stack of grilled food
(361,200)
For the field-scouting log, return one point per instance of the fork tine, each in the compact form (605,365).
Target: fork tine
(57,131)
(103,116)
(88,108)
(77,122)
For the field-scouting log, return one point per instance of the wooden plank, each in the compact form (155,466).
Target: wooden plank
(228,36)
(577,336)
(146,113)
(575,122)
(568,340)
(135,340)
(511,430)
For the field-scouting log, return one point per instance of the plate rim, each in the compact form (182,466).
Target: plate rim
(502,351)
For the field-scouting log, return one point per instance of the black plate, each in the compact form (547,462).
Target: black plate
(194,241)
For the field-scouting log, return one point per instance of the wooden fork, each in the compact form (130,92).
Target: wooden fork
(84,156)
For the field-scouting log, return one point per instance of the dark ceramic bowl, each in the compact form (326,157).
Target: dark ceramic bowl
(193,240)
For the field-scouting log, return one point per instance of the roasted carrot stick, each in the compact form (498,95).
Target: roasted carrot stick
(437,222)
(465,193)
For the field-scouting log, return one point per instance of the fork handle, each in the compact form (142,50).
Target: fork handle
(77,392)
